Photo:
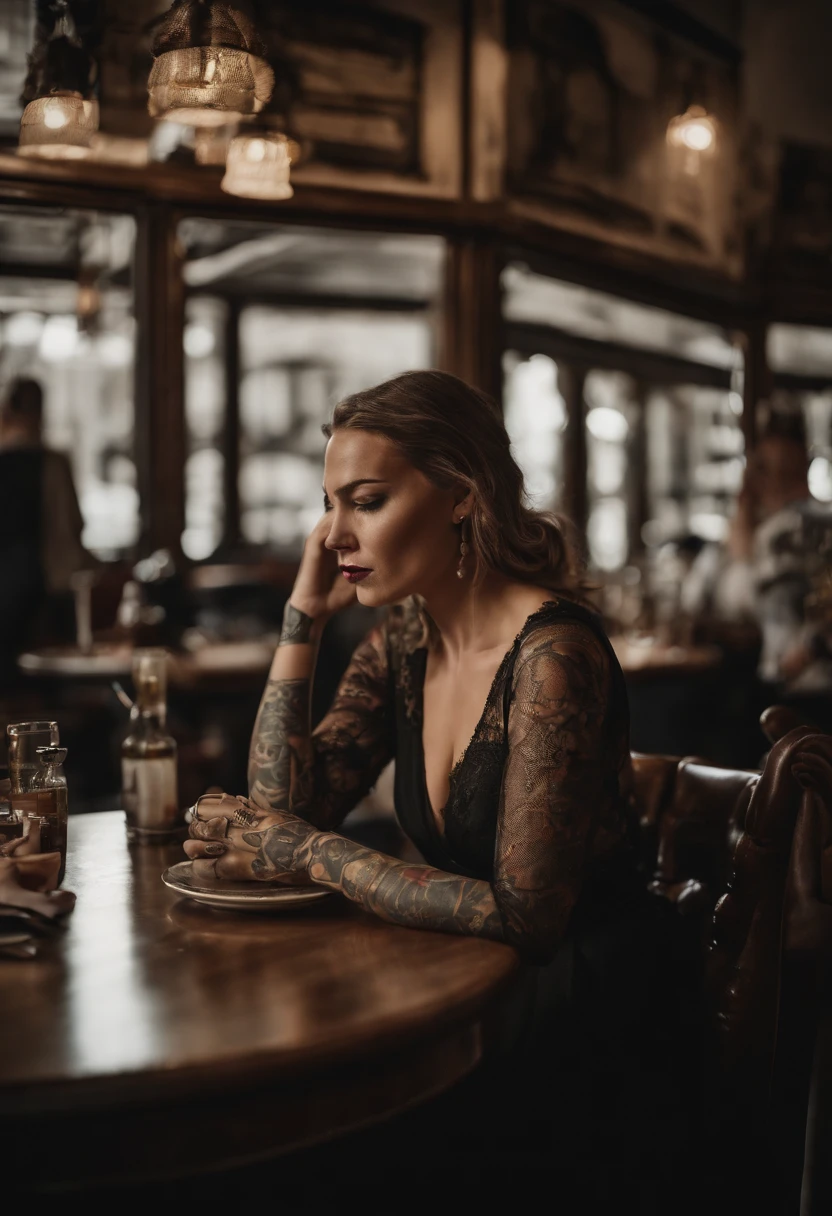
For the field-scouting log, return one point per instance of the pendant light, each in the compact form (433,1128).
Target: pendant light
(694,130)
(209,65)
(258,164)
(61,119)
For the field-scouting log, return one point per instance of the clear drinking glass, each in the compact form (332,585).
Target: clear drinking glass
(24,740)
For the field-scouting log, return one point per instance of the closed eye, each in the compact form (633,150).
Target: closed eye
(373,505)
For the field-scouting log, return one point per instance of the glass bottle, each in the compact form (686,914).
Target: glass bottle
(49,784)
(148,757)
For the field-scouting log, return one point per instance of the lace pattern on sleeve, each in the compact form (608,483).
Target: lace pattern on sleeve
(406,635)
(356,738)
(558,802)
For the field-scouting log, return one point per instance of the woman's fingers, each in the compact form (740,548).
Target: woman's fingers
(209,829)
(206,841)
(231,865)
(204,848)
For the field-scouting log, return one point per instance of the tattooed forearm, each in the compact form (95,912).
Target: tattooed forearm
(297,626)
(280,755)
(321,775)
(417,896)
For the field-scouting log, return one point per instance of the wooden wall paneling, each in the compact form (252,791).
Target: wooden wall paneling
(591,90)
(487,100)
(472,341)
(377,93)
(160,381)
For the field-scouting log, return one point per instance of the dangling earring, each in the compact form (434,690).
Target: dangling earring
(463,548)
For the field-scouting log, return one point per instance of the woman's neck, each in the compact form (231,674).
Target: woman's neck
(473,620)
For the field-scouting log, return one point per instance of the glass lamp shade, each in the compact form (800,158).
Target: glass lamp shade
(258,165)
(58,126)
(202,86)
(695,130)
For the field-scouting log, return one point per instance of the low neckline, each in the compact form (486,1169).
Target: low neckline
(457,766)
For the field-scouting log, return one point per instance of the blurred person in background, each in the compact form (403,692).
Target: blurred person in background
(40,525)
(771,570)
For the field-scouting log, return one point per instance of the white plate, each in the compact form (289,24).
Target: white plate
(242,896)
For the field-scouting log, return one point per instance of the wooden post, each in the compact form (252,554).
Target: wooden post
(756,379)
(160,381)
(231,428)
(472,326)
(638,505)
(574,502)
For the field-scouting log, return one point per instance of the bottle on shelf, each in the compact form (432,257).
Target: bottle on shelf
(149,757)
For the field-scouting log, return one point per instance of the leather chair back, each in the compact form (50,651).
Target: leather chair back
(719,843)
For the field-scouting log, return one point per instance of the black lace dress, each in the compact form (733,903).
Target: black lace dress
(592,1063)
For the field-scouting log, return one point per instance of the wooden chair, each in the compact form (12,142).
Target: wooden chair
(741,853)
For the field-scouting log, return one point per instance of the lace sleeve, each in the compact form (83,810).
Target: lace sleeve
(355,739)
(553,784)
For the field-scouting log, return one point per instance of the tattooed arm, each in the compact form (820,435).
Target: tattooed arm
(551,795)
(554,785)
(320,775)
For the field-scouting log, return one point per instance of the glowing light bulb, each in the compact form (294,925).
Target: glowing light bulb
(257,166)
(694,130)
(55,116)
(697,135)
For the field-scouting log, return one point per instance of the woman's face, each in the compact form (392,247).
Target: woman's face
(388,518)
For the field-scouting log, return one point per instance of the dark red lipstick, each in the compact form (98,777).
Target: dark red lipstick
(354,574)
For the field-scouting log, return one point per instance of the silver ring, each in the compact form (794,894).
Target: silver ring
(243,818)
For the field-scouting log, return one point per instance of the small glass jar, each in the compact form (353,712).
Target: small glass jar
(24,740)
(49,785)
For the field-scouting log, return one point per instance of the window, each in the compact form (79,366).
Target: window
(282,323)
(611,418)
(800,357)
(66,319)
(205,411)
(661,454)
(535,418)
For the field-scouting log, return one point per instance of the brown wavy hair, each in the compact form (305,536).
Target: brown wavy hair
(455,435)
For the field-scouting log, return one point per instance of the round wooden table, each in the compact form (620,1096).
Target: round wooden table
(158,1036)
(212,662)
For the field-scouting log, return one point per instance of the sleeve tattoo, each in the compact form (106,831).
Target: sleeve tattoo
(321,775)
(553,789)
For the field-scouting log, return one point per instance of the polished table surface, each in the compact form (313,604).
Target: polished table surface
(108,661)
(274,1029)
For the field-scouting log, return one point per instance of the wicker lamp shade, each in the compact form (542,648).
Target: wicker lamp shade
(209,64)
(61,115)
(258,164)
(59,126)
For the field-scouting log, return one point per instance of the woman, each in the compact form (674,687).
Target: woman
(496,690)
